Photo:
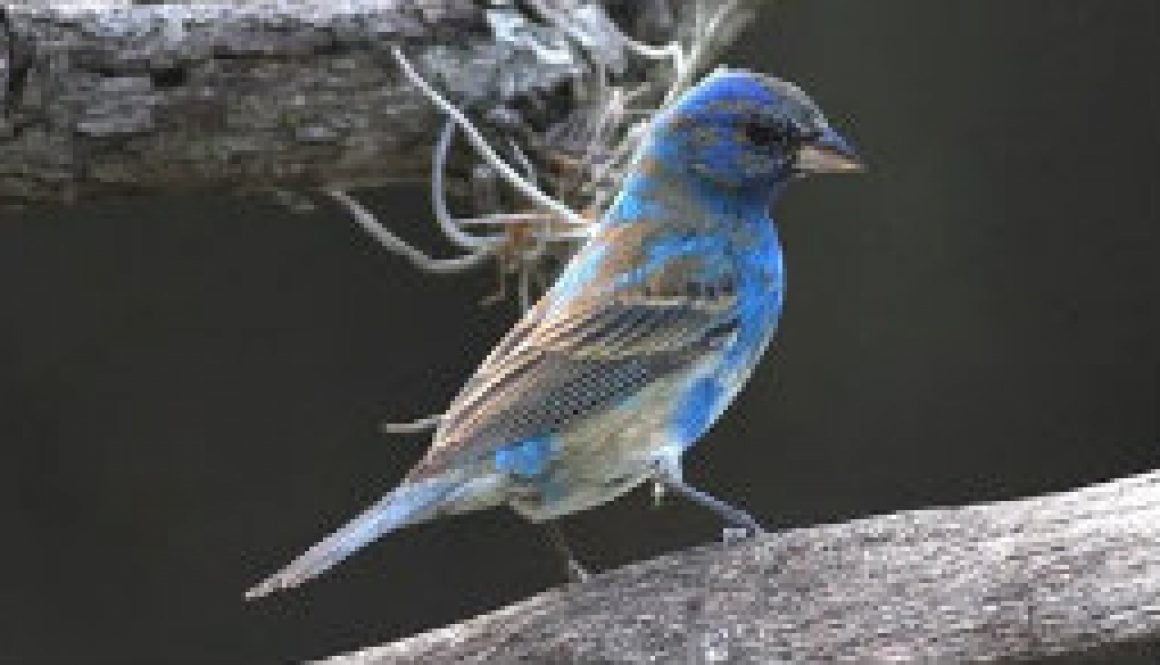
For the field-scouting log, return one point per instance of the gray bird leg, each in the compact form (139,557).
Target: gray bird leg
(576,572)
(671,479)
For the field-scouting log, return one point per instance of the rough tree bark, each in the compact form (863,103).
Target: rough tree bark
(111,96)
(1073,575)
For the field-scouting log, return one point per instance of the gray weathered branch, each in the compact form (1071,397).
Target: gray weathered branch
(110,96)
(1073,573)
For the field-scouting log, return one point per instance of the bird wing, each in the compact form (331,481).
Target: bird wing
(558,366)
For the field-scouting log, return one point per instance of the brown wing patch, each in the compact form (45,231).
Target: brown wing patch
(605,344)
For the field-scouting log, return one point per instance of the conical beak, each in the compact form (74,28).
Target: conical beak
(828,153)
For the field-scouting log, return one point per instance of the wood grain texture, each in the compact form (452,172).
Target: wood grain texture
(103,97)
(1073,577)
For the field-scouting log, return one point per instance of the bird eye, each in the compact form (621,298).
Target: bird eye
(770,134)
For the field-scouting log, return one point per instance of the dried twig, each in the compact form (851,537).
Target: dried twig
(482,147)
(413,427)
(394,243)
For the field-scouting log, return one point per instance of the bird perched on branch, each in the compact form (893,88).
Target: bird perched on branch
(645,339)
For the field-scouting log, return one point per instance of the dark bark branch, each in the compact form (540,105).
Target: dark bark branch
(1070,574)
(105,97)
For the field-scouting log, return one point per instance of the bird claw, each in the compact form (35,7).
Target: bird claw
(577,573)
(731,535)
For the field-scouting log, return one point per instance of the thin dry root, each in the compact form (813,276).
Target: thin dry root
(413,427)
(485,151)
(394,243)
(448,224)
(611,136)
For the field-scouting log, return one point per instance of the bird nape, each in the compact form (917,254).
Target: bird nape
(643,341)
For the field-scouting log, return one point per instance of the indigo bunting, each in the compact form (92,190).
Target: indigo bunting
(646,337)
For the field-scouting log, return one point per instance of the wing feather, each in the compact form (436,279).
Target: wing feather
(555,367)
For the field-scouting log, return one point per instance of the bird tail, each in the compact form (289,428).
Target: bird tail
(411,503)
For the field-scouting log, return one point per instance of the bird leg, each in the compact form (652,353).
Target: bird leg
(733,516)
(576,572)
(658,493)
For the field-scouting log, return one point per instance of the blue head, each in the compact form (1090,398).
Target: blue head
(747,132)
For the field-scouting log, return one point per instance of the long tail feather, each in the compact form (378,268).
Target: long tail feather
(409,504)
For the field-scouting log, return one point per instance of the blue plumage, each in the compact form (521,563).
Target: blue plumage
(644,340)
(526,459)
(694,412)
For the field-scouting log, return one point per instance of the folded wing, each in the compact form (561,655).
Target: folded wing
(557,367)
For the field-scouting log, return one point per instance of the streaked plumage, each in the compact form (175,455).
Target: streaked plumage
(647,336)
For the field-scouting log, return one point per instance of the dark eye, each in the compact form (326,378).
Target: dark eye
(770,134)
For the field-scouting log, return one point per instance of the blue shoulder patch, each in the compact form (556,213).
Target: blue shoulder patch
(525,459)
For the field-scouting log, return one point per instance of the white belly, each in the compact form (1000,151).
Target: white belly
(604,457)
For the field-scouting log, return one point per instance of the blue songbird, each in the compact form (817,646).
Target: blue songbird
(644,340)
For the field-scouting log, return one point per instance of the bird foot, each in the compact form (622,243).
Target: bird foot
(577,572)
(731,535)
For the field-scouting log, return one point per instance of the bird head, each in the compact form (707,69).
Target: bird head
(744,130)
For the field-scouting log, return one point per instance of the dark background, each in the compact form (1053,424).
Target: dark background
(190,387)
